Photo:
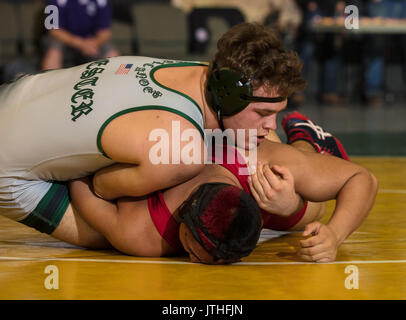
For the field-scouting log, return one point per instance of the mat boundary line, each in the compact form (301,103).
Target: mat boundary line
(190,263)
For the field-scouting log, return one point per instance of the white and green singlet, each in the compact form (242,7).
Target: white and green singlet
(51,125)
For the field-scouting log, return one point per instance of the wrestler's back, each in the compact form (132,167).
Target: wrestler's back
(53,121)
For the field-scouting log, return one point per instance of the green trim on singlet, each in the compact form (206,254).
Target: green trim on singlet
(50,210)
(173,65)
(151,107)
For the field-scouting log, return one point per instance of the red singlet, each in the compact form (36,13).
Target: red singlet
(168,227)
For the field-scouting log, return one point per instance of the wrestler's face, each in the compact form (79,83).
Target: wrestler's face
(197,253)
(257,115)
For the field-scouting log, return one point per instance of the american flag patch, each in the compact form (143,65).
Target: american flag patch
(124,69)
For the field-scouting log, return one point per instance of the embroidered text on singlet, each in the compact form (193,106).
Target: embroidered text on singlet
(82,98)
(141,74)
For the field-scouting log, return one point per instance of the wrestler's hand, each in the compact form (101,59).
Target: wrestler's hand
(321,246)
(274,190)
(90,48)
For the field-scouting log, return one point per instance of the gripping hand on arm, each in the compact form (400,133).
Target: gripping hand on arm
(273,188)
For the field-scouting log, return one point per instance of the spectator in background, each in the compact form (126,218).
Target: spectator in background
(374,56)
(286,17)
(306,41)
(199,12)
(283,15)
(376,45)
(331,54)
(84,33)
(327,48)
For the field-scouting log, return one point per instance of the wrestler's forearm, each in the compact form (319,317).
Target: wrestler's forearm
(320,178)
(102,36)
(116,181)
(353,205)
(126,180)
(67,38)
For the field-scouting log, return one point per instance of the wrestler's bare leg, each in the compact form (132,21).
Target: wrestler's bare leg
(74,230)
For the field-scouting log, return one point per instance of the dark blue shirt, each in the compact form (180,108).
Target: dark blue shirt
(83,18)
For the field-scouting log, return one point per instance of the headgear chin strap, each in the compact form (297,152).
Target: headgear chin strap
(228,92)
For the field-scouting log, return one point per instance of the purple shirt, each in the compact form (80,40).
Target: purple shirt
(83,17)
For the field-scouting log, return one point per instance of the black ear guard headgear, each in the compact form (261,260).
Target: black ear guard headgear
(236,211)
(228,92)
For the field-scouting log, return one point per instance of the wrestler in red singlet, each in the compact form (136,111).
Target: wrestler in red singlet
(168,228)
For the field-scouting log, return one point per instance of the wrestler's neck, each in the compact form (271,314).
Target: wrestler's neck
(210,116)
(190,81)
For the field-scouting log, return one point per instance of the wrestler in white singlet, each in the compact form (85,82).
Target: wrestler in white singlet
(51,125)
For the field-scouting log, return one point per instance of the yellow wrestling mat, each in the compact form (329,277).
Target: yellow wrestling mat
(371,264)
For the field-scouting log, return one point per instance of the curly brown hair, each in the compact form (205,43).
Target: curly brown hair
(257,52)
